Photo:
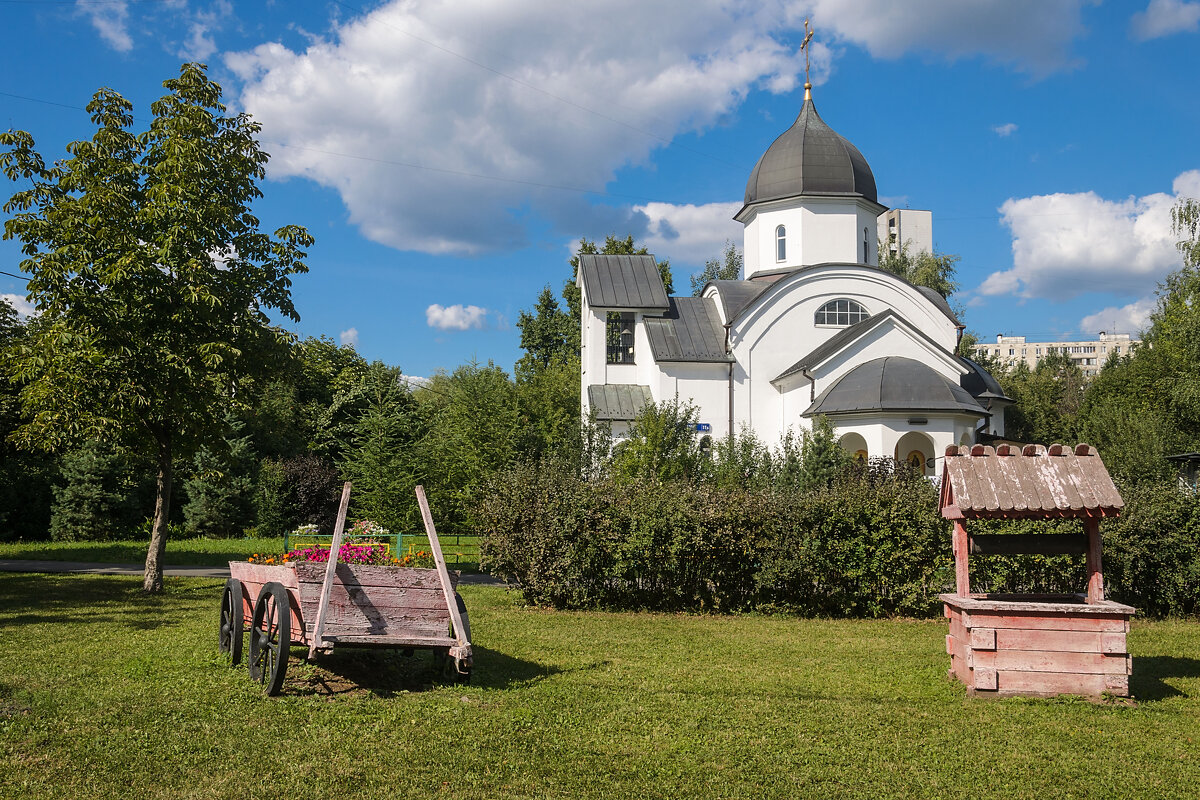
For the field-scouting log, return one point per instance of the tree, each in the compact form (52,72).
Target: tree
(152,279)
(661,445)
(546,334)
(726,268)
(933,270)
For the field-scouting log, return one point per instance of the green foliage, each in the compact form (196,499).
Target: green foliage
(661,446)
(1048,397)
(934,270)
(151,276)
(220,489)
(546,335)
(271,507)
(821,457)
(726,268)
(1152,552)
(97,499)
(1185,223)
(548,403)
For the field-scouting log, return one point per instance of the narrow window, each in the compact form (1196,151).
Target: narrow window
(781,243)
(866,246)
(840,312)
(620,337)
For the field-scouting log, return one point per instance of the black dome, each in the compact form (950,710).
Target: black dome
(893,383)
(810,158)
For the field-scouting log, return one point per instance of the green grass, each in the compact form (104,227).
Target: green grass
(108,693)
(180,552)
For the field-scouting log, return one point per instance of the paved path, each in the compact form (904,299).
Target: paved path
(97,568)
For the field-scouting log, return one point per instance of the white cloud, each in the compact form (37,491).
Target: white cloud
(1007,129)
(202,25)
(349,337)
(1033,36)
(109,20)
(443,125)
(1067,244)
(456,317)
(690,234)
(1131,318)
(1163,18)
(22,306)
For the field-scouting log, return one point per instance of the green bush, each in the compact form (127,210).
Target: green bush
(1152,552)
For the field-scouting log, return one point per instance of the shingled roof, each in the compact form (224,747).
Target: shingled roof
(1027,482)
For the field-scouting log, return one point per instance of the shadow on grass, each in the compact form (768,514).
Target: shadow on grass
(1148,682)
(117,600)
(387,673)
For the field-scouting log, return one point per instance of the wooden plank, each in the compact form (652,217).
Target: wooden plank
(1048,661)
(984,679)
(1113,643)
(1051,683)
(372,575)
(382,597)
(982,638)
(1008,467)
(1052,640)
(1017,543)
(972,604)
(1095,587)
(962,575)
(464,644)
(247,572)
(1092,623)
(397,640)
(369,615)
(335,548)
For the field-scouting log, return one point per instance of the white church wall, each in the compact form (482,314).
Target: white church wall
(824,229)
(704,385)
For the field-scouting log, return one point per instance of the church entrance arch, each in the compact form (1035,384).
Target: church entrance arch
(855,445)
(916,450)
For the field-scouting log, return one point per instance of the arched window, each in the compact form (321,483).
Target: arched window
(866,246)
(841,312)
(781,243)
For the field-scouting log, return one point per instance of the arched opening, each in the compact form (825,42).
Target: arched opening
(781,243)
(916,450)
(855,445)
(840,312)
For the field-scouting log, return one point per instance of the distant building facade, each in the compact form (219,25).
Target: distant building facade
(1089,355)
(898,226)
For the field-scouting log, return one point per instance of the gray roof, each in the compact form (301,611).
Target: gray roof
(622,281)
(736,295)
(980,383)
(893,384)
(618,401)
(940,302)
(691,330)
(809,158)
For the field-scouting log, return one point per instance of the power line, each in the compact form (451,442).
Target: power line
(14,275)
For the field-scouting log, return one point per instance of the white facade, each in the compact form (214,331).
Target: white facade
(811,318)
(1087,354)
(898,226)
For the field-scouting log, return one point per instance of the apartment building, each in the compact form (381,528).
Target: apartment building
(1088,355)
(900,225)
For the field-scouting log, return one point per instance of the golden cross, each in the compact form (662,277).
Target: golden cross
(808,34)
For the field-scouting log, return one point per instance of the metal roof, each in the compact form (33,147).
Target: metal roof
(691,330)
(894,384)
(980,383)
(809,158)
(939,301)
(618,401)
(836,343)
(736,295)
(1029,481)
(622,282)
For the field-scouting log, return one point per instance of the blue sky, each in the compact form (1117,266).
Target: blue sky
(448,155)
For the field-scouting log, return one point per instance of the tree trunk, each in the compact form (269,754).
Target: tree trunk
(152,581)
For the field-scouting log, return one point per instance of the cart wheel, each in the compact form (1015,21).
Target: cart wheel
(462,611)
(270,637)
(232,622)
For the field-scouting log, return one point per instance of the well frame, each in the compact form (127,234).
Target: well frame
(1041,645)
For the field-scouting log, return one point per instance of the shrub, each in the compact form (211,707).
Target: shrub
(1152,552)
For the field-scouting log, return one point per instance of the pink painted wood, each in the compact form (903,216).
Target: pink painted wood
(335,549)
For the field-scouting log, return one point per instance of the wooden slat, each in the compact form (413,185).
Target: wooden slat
(1051,641)
(1095,587)
(464,643)
(370,575)
(1051,683)
(370,616)
(397,640)
(382,597)
(1049,661)
(1049,623)
(335,548)
(1037,543)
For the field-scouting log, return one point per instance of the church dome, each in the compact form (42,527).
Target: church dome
(810,158)
(894,383)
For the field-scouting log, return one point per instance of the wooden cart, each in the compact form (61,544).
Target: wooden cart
(323,605)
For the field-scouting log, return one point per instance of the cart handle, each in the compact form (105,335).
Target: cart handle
(335,548)
(447,590)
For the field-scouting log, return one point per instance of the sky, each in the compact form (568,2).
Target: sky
(448,156)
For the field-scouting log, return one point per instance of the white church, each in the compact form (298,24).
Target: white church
(814,328)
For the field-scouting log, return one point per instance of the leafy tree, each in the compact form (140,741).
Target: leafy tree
(1049,398)
(545,334)
(220,488)
(821,456)
(661,445)
(1185,222)
(152,279)
(548,407)
(97,501)
(726,268)
(934,270)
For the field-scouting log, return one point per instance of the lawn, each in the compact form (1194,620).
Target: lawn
(180,552)
(107,693)
(461,552)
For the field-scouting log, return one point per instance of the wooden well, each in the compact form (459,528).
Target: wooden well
(1033,644)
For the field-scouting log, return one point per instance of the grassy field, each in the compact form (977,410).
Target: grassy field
(461,552)
(180,552)
(107,693)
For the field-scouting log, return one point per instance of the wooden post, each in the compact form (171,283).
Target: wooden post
(1095,587)
(447,590)
(335,548)
(962,575)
